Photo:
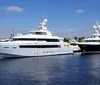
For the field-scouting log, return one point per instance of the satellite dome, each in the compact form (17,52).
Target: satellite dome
(45,20)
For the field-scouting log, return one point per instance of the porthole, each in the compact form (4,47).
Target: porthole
(6,47)
(14,47)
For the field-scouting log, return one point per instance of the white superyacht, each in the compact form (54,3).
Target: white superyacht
(40,42)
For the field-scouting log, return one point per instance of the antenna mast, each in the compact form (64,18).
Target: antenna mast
(13,33)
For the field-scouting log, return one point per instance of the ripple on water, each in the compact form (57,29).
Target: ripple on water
(51,70)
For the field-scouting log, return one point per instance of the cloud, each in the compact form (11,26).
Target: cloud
(80,11)
(12,9)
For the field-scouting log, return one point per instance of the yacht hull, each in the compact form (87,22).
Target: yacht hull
(32,52)
(88,48)
(75,48)
(4,55)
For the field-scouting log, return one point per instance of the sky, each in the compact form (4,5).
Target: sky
(66,18)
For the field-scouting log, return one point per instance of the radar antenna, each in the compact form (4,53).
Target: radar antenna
(96,27)
(42,25)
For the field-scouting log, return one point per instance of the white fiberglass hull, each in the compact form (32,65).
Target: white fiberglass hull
(36,52)
(7,50)
(76,48)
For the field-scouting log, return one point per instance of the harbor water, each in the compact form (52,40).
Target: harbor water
(74,69)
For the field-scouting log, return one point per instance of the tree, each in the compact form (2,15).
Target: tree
(81,39)
(66,40)
(76,38)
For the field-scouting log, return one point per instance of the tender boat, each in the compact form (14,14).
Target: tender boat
(75,47)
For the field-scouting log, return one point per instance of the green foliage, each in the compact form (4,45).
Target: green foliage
(75,38)
(80,39)
(66,40)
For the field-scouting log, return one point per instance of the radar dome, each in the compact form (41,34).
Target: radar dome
(94,26)
(45,20)
(99,26)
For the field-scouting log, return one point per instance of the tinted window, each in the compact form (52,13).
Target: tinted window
(6,47)
(33,39)
(39,46)
(39,33)
(49,40)
(22,39)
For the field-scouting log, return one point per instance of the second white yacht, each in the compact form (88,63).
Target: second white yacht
(40,42)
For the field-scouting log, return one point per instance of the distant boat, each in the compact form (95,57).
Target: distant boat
(40,42)
(92,44)
(74,46)
(4,39)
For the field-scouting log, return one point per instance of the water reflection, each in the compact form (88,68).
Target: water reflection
(87,68)
(51,70)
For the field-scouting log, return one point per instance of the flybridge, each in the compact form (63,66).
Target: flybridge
(40,32)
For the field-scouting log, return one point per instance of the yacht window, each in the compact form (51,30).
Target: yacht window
(14,47)
(92,41)
(39,46)
(6,47)
(26,39)
(49,40)
(33,39)
(39,33)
